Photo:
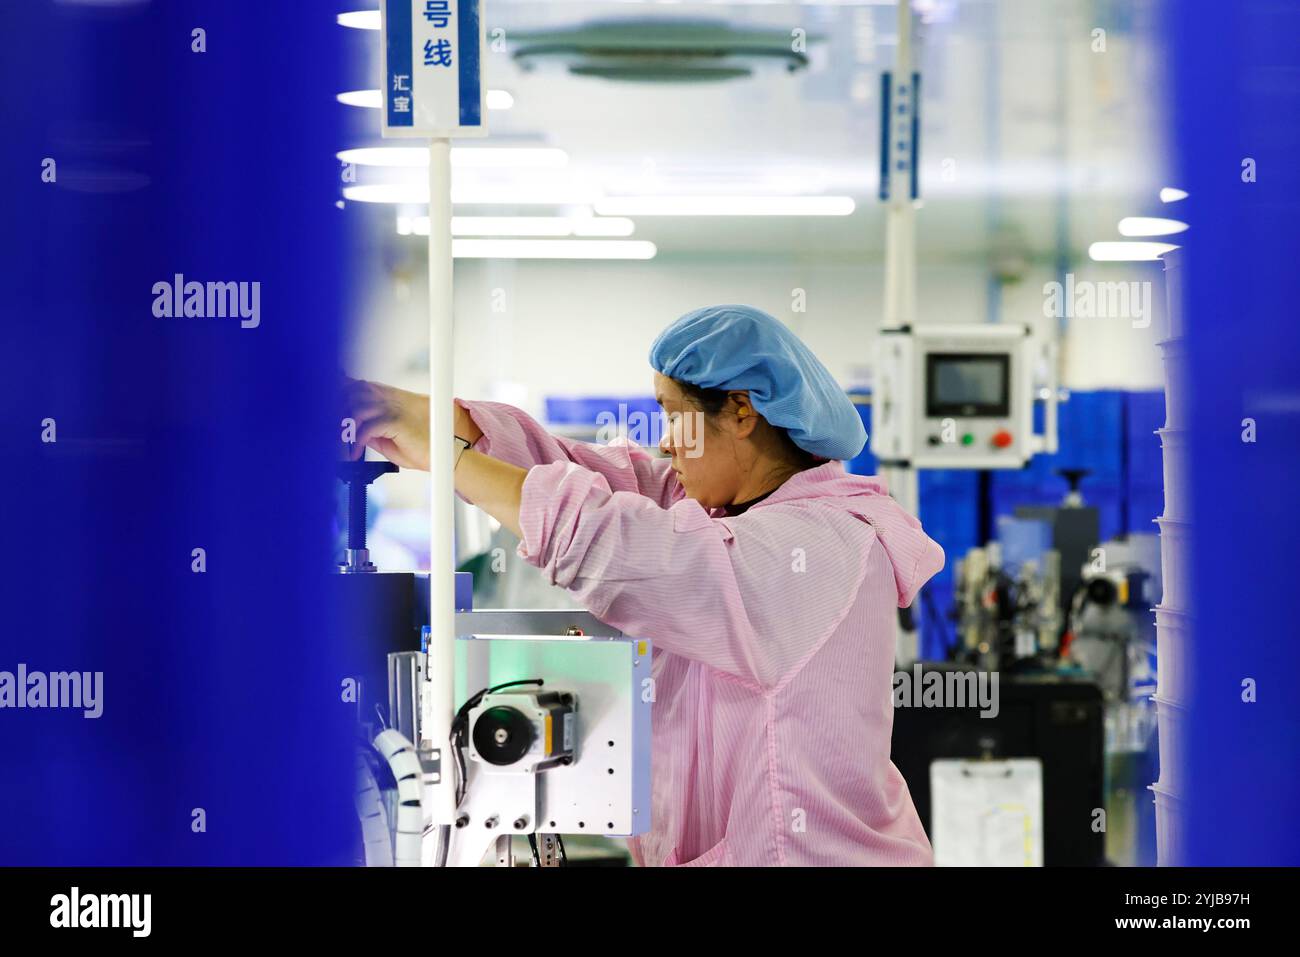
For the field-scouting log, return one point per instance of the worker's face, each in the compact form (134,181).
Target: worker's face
(709,456)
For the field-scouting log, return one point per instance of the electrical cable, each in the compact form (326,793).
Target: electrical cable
(444,844)
(408,829)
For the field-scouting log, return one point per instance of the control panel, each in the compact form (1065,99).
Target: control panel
(959,396)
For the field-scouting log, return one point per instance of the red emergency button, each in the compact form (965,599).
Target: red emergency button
(1001,439)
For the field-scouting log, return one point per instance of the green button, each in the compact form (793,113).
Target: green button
(968,439)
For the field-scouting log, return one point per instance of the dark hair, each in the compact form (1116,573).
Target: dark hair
(713,401)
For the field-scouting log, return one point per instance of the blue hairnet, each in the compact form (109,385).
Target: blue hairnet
(739,347)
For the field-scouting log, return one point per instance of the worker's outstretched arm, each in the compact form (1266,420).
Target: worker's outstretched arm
(395,423)
(512,435)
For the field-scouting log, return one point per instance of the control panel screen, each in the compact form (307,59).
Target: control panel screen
(967,384)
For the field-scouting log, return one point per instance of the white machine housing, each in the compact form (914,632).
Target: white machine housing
(960,396)
(604,788)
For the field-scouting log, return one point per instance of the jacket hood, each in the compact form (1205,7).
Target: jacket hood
(914,555)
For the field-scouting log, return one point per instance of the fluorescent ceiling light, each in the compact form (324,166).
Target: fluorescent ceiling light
(370,99)
(501,226)
(360,19)
(725,206)
(1170,195)
(1128,252)
(374,99)
(552,249)
(482,157)
(418,194)
(1149,226)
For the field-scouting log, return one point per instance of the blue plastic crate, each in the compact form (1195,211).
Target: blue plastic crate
(1145,504)
(950,514)
(587,410)
(1146,413)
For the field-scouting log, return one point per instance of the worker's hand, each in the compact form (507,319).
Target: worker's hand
(395,423)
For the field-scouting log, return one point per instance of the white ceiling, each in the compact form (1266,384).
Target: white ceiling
(1029,136)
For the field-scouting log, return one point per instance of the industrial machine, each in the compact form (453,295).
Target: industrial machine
(1074,650)
(554,740)
(560,741)
(1007,613)
(551,734)
(957,397)
(1074,532)
(1059,720)
(380,611)
(1047,592)
(1108,620)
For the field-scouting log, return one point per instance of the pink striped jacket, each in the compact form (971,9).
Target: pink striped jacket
(773,636)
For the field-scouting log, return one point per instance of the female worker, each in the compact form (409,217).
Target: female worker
(766,577)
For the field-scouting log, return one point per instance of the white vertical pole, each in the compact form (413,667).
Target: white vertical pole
(900,244)
(900,278)
(439,672)
(900,212)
